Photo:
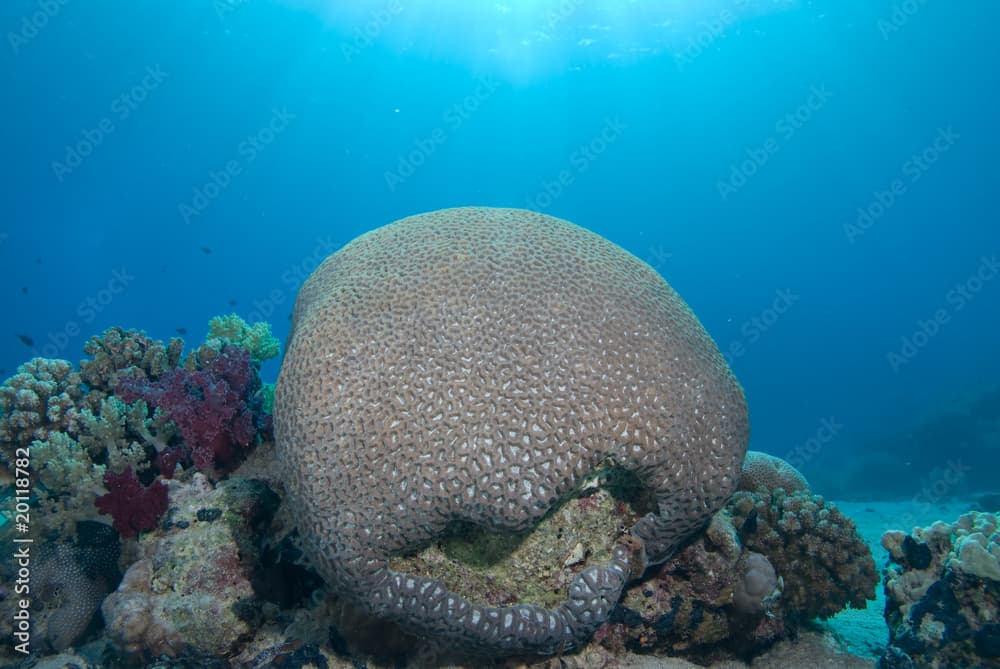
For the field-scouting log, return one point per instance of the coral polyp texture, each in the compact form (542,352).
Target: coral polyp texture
(942,589)
(767,472)
(478,365)
(40,399)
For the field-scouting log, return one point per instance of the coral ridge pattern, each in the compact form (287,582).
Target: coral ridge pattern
(478,364)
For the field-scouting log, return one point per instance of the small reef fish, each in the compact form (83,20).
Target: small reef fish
(24,289)
(206,250)
(181,331)
(26,340)
(232,303)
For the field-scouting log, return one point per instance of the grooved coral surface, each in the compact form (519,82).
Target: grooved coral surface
(767,472)
(477,364)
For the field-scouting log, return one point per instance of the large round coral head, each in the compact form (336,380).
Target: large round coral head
(478,364)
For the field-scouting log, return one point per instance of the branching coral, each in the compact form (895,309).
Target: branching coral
(256,338)
(943,592)
(121,433)
(118,349)
(755,576)
(812,545)
(213,408)
(39,399)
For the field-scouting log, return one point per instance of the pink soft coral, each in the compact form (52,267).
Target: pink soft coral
(210,406)
(132,507)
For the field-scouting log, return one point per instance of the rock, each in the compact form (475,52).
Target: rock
(190,591)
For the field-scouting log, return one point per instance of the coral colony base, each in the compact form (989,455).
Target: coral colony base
(496,430)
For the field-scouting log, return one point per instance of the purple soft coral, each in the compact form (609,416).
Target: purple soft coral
(132,507)
(210,406)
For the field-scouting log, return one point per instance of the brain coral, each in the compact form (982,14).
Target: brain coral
(477,364)
(761,470)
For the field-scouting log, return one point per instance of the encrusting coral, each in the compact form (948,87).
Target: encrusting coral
(190,591)
(943,590)
(477,364)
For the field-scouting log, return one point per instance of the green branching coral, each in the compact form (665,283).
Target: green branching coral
(122,431)
(256,338)
(68,481)
(64,467)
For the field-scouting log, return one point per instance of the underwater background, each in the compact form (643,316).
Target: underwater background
(816,179)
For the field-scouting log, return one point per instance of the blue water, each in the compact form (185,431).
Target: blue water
(167,162)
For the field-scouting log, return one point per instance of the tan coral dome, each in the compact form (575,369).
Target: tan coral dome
(477,364)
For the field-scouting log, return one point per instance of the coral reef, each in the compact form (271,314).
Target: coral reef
(213,408)
(90,452)
(118,349)
(943,590)
(477,364)
(41,398)
(812,545)
(132,506)
(256,338)
(767,472)
(767,563)
(190,590)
